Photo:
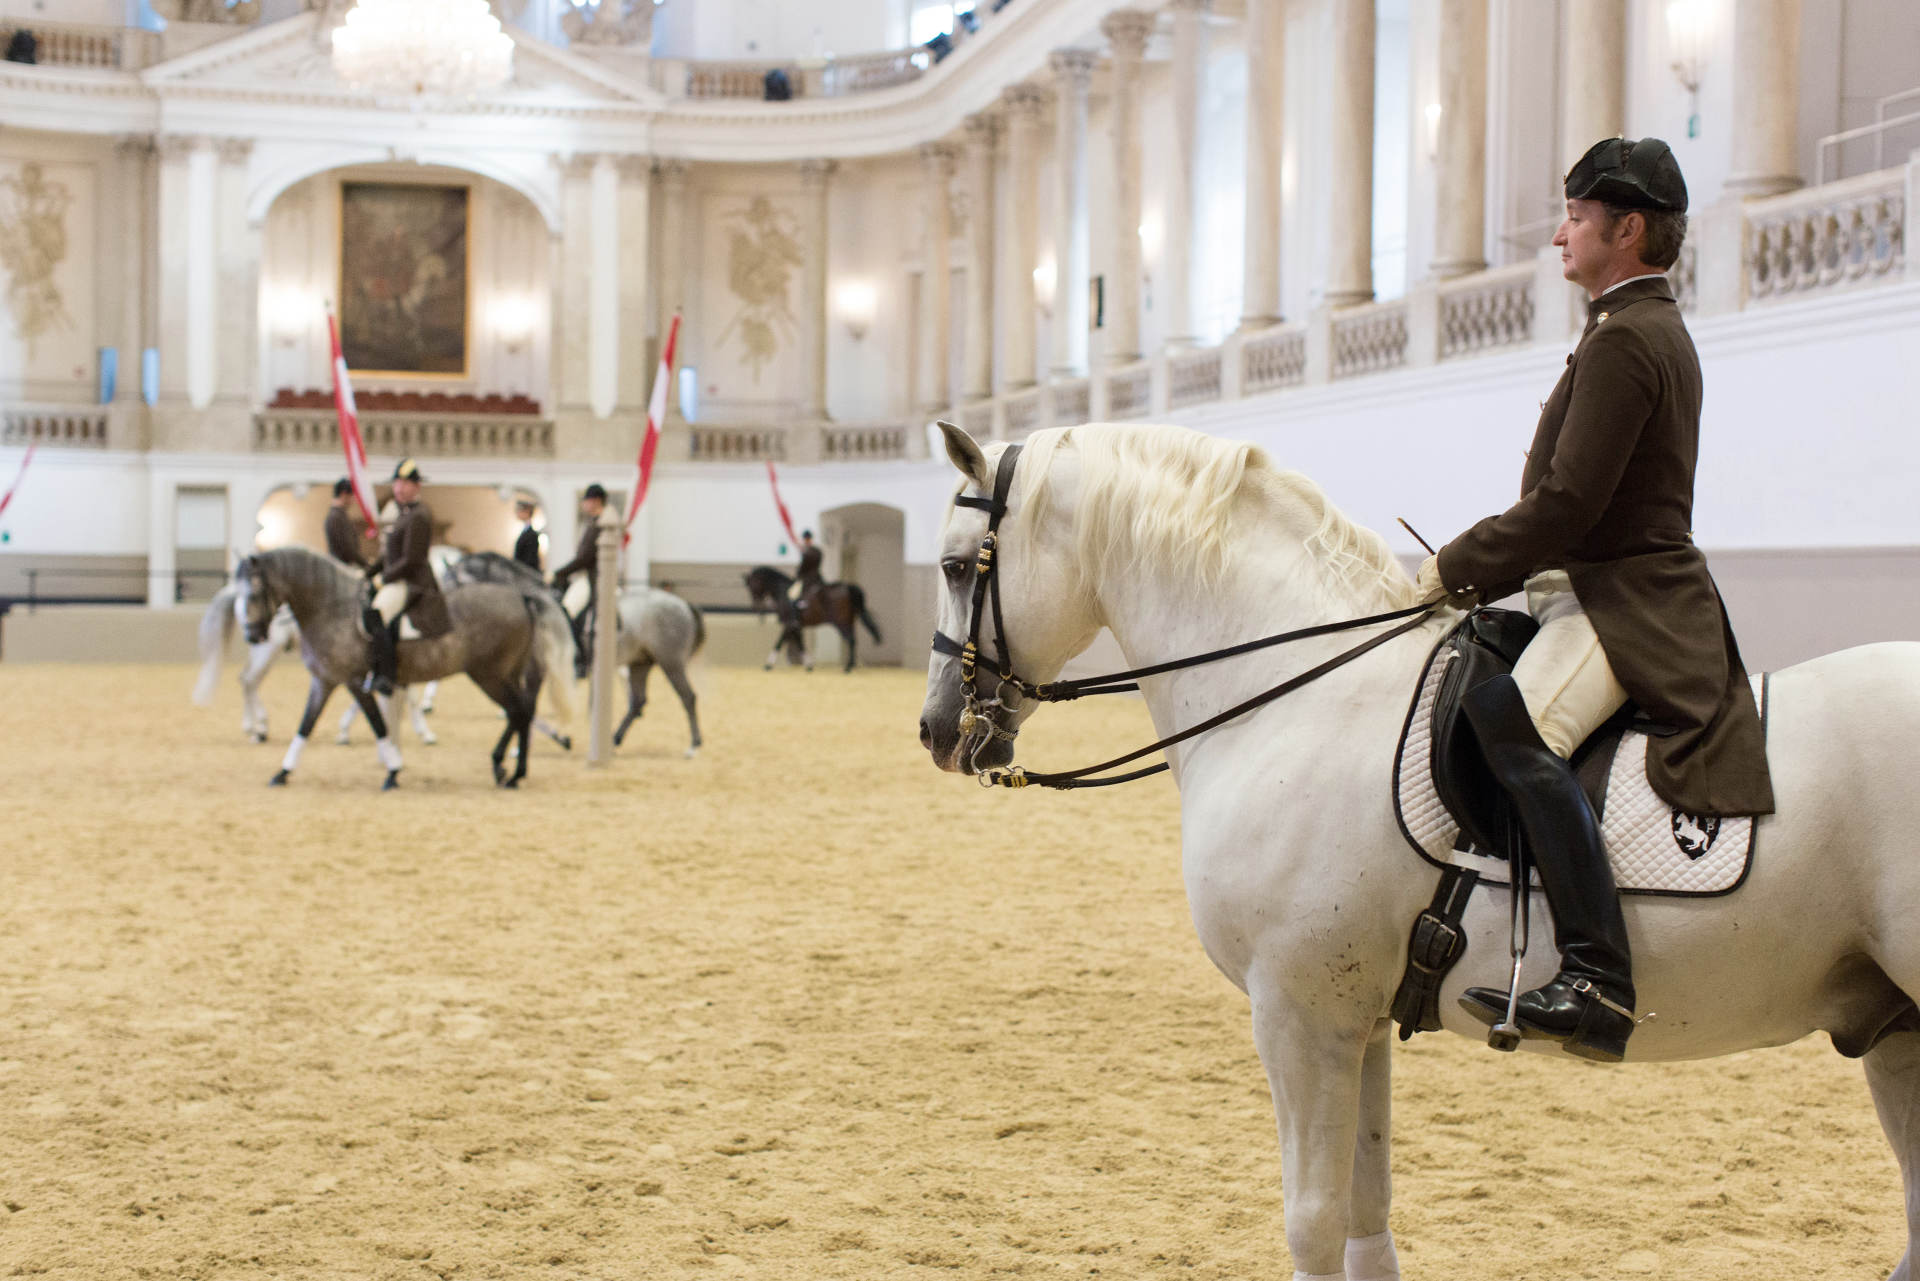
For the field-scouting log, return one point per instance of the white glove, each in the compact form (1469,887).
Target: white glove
(1426,584)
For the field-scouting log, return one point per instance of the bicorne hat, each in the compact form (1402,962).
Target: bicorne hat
(407,469)
(1634,175)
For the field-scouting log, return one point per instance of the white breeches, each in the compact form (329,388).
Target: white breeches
(390,600)
(574,599)
(1563,674)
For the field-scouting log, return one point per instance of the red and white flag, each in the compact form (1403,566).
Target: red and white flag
(8,496)
(786,519)
(650,443)
(350,441)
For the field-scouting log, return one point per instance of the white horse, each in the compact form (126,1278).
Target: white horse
(217,624)
(1300,884)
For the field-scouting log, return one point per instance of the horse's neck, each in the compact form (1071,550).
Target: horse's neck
(1266,589)
(312,592)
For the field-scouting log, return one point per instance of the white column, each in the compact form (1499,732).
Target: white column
(813,298)
(1766,97)
(1024,105)
(670,265)
(1072,69)
(1461,177)
(636,283)
(202,274)
(573,290)
(1266,39)
(1188,70)
(1593,102)
(238,247)
(134,154)
(603,286)
(936,278)
(983,131)
(1126,31)
(1350,180)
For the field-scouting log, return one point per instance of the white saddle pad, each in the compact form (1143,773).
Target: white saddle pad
(407,630)
(1655,848)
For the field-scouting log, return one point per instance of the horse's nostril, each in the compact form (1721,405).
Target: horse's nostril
(926,733)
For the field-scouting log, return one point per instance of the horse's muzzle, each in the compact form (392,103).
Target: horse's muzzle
(255,635)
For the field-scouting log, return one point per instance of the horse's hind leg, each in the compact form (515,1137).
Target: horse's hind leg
(416,705)
(638,672)
(677,677)
(317,694)
(1893,1073)
(846,635)
(253,715)
(1370,1253)
(346,722)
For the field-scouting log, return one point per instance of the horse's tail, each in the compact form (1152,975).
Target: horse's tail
(215,626)
(553,650)
(859,599)
(699,628)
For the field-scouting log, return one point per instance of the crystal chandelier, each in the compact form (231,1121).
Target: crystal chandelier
(437,48)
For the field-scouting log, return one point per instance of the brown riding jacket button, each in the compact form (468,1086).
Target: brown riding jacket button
(1607,495)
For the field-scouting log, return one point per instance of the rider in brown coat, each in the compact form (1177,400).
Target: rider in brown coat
(1602,542)
(404,583)
(343,531)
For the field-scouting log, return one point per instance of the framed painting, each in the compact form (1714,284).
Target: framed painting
(403,278)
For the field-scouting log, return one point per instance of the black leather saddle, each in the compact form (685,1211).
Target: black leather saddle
(1487,645)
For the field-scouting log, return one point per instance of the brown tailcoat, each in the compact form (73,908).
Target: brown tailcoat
(407,545)
(1607,495)
(343,537)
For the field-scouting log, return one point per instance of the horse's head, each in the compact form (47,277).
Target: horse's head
(253,600)
(1048,613)
(760,589)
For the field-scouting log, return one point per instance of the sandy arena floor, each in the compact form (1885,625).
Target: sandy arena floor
(802,1007)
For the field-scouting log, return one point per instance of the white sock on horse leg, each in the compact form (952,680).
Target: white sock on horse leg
(1319,1276)
(291,761)
(1372,1258)
(389,754)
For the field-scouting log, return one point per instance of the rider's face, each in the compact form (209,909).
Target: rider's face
(405,491)
(1591,252)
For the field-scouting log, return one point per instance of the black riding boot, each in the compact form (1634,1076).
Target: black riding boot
(383,654)
(1589,1004)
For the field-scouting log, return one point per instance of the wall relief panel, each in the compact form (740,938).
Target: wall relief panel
(754,297)
(46,275)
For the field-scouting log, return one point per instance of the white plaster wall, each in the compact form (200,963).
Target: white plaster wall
(775,28)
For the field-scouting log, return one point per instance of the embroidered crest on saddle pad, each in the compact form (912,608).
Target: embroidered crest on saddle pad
(1656,849)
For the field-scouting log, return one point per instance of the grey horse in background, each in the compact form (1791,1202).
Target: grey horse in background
(505,641)
(655,628)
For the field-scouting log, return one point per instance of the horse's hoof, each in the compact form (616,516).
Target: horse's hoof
(428,740)
(693,752)
(393,781)
(566,742)
(511,783)
(256,738)
(278,780)
(767,668)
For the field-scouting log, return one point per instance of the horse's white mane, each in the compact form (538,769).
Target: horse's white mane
(1164,498)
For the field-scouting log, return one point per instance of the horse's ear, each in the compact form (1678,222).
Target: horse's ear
(966,455)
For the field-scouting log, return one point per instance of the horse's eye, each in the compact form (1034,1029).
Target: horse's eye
(955,570)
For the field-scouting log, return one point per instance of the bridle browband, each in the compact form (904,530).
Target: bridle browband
(980,716)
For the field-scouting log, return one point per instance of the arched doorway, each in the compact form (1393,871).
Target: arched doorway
(866,544)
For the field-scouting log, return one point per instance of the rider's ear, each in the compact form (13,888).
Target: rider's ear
(966,455)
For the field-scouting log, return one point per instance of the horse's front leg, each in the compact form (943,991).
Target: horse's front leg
(253,715)
(1313,1059)
(317,694)
(383,745)
(1370,1253)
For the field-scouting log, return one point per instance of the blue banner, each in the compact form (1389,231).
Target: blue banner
(150,375)
(109,373)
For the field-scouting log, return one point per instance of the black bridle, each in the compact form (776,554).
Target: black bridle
(982,717)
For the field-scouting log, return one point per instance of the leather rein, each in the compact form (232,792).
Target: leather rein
(981,716)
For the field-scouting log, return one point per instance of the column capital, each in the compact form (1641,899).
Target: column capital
(1073,67)
(636,168)
(136,145)
(177,146)
(1127,31)
(815,171)
(939,156)
(234,151)
(672,170)
(1025,102)
(577,165)
(983,130)
(1189,6)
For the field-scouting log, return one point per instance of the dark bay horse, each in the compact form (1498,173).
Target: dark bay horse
(506,641)
(837,604)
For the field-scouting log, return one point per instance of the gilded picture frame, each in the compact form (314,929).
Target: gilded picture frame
(405,289)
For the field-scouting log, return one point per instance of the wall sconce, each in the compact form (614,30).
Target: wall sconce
(290,312)
(514,317)
(1433,132)
(1687,42)
(1045,278)
(856,301)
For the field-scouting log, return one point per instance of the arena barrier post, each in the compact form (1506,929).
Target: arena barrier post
(606,614)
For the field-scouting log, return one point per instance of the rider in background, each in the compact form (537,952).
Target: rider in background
(807,580)
(405,583)
(577,597)
(1602,542)
(526,548)
(343,531)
